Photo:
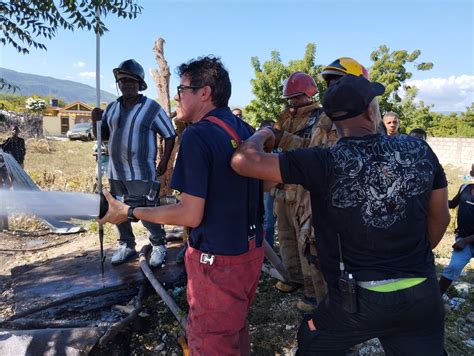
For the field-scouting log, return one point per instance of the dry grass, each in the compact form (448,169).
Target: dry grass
(26,223)
(61,165)
(40,146)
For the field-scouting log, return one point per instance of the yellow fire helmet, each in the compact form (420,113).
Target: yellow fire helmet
(343,66)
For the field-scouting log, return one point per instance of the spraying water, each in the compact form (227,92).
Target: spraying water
(54,204)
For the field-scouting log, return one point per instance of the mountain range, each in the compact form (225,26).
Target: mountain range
(67,90)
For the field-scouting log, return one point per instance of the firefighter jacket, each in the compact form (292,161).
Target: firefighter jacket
(298,126)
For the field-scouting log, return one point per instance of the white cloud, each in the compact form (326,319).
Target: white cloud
(79,64)
(454,93)
(88,75)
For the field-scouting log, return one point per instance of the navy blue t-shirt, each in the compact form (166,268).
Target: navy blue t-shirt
(203,170)
(373,191)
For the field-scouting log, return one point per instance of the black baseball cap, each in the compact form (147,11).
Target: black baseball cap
(350,96)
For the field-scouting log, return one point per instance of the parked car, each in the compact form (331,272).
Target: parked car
(82,131)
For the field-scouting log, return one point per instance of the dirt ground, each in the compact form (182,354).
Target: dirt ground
(157,331)
(273,317)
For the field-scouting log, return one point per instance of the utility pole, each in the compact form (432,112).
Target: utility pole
(99,133)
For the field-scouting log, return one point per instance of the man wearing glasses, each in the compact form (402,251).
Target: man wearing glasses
(223,210)
(131,124)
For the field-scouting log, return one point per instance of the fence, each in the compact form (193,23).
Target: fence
(458,152)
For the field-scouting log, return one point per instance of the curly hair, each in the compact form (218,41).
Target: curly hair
(210,71)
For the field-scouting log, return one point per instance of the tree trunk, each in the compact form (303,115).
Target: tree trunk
(161,77)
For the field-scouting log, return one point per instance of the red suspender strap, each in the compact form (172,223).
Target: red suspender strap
(230,131)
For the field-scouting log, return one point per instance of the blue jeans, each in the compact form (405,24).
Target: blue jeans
(134,193)
(459,260)
(269,219)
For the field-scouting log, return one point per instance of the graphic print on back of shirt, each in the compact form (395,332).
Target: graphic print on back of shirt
(379,177)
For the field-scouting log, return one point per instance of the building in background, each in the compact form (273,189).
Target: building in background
(58,121)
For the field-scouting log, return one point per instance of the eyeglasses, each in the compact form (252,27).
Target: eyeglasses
(181,87)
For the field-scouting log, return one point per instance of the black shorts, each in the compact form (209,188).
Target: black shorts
(407,322)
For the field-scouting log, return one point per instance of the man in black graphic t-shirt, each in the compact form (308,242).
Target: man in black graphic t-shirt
(380,205)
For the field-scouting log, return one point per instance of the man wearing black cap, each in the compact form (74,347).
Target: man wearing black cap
(380,205)
(131,125)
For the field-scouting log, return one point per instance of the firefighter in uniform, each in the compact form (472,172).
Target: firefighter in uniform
(305,126)
(302,120)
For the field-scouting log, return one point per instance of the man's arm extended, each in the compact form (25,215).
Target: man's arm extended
(438,216)
(188,212)
(250,160)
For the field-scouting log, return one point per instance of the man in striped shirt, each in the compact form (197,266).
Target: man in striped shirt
(131,124)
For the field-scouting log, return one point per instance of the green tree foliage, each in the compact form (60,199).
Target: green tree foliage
(454,125)
(390,69)
(13,102)
(444,125)
(413,115)
(466,126)
(26,21)
(268,83)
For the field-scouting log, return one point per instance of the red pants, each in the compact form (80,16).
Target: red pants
(219,296)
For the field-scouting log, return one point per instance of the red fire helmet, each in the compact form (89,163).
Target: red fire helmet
(299,83)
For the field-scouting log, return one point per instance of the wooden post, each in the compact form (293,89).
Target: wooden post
(161,76)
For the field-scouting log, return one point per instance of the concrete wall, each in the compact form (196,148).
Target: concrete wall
(458,152)
(51,126)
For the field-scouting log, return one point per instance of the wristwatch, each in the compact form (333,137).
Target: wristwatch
(130,215)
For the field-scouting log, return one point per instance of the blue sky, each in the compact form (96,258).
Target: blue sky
(238,30)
